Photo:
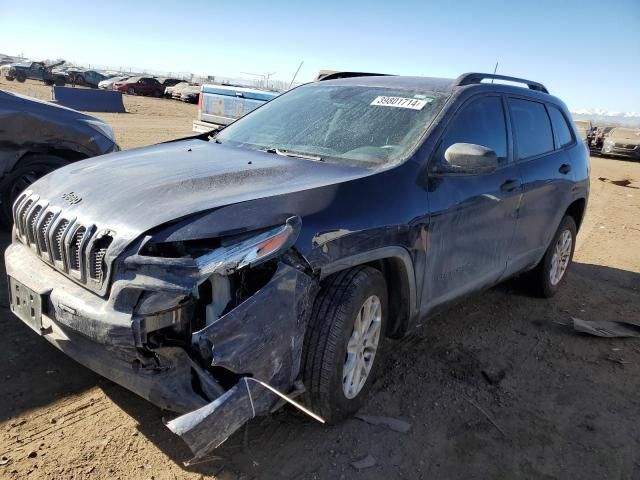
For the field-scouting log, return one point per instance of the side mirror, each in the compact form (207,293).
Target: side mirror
(468,159)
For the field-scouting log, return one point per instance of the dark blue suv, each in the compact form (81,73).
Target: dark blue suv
(215,274)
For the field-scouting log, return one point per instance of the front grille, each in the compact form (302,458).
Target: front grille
(76,249)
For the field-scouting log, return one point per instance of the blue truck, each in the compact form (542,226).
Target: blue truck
(220,105)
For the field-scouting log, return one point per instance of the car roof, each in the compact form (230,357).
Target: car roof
(395,81)
(452,86)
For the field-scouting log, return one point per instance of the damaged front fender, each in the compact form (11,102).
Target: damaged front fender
(262,338)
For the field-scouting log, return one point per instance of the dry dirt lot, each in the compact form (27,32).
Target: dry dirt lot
(498,387)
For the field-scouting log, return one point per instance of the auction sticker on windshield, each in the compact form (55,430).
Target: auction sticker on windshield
(400,102)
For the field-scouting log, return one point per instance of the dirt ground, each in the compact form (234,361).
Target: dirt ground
(498,387)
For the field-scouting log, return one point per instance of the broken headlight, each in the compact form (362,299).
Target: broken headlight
(227,255)
(251,251)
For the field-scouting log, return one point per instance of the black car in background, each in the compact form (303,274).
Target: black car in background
(208,274)
(36,137)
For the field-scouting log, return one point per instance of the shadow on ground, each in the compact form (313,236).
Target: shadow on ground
(499,385)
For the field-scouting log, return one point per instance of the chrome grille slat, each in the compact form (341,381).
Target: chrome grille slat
(31,221)
(76,249)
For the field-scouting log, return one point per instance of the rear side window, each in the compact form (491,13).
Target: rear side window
(560,124)
(532,128)
(480,122)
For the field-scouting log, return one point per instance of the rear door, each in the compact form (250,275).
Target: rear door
(542,154)
(472,217)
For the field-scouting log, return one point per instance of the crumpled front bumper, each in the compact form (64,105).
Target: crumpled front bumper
(261,338)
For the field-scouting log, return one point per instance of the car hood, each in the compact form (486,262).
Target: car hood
(132,192)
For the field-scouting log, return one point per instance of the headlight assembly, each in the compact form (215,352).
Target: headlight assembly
(250,251)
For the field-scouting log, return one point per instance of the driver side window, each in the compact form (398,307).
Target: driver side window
(481,122)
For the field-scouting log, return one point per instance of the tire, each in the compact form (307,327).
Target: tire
(157,93)
(79,80)
(11,79)
(27,171)
(544,279)
(131,91)
(21,77)
(341,299)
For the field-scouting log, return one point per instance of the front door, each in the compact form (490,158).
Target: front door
(472,217)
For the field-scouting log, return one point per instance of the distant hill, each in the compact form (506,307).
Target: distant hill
(602,117)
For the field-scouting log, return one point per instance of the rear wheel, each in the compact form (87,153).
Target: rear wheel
(551,272)
(343,341)
(131,91)
(23,175)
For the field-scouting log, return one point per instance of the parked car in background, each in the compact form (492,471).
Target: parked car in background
(176,90)
(280,254)
(35,71)
(37,137)
(147,86)
(108,83)
(169,82)
(220,105)
(190,93)
(584,129)
(168,91)
(89,78)
(622,142)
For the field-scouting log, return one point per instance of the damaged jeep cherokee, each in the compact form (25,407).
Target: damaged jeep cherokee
(214,274)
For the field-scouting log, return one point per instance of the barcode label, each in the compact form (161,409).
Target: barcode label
(400,102)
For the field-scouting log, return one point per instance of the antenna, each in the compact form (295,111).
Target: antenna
(295,75)
(495,69)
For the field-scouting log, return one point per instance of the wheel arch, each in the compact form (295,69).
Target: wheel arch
(576,211)
(396,265)
(66,154)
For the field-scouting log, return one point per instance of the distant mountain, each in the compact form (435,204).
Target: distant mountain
(603,117)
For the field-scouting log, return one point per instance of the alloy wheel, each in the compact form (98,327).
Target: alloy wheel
(362,347)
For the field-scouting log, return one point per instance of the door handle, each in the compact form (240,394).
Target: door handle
(564,168)
(510,185)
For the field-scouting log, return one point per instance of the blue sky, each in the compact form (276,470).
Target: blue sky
(587,52)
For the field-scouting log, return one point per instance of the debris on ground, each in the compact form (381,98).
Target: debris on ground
(482,410)
(392,423)
(607,328)
(621,183)
(366,462)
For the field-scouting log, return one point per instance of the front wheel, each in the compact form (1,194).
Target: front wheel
(551,272)
(21,77)
(342,344)
(131,91)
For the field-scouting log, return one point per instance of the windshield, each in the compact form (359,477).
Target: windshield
(354,125)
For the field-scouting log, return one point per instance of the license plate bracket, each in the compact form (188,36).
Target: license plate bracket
(26,304)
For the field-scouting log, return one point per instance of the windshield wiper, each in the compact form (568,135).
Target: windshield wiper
(287,153)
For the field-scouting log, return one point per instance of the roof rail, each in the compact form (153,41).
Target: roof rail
(336,75)
(473,78)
